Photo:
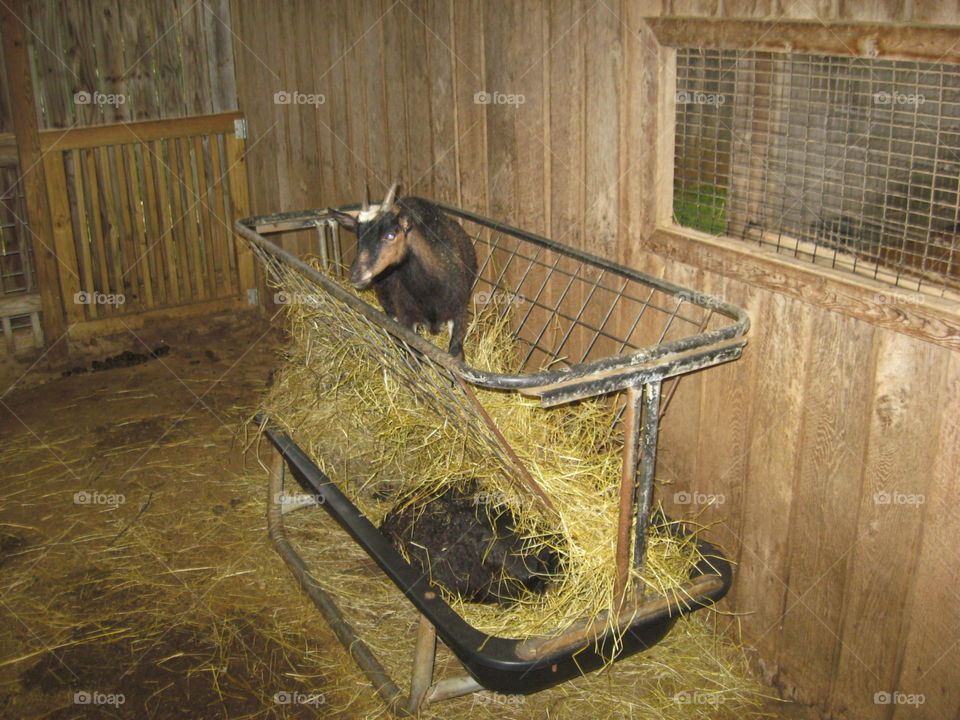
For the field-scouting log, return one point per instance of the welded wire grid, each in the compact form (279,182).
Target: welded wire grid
(17,274)
(847,162)
(565,311)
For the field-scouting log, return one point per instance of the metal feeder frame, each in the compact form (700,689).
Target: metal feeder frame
(530,269)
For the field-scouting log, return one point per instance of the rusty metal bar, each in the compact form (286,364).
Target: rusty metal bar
(648,462)
(628,475)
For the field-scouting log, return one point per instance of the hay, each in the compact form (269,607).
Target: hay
(334,398)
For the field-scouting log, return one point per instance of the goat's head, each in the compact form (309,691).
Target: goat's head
(381,237)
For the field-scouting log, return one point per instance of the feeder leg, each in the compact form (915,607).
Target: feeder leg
(648,463)
(322,246)
(453,687)
(423,657)
(358,650)
(631,430)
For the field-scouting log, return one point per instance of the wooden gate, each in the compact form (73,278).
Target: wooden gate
(142,215)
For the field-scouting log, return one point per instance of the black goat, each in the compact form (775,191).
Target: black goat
(420,262)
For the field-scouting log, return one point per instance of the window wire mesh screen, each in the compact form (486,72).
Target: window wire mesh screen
(846,162)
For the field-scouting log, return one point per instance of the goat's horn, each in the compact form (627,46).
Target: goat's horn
(391,193)
(366,196)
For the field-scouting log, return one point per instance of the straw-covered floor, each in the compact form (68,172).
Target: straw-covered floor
(169,595)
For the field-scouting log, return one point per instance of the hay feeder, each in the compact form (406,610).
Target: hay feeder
(583,327)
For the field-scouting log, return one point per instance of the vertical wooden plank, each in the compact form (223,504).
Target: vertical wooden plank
(131,270)
(898,466)
(468,76)
(372,134)
(501,20)
(64,248)
(153,224)
(783,340)
(420,105)
(640,131)
(169,71)
(106,18)
(139,59)
(566,121)
(602,127)
(241,206)
(204,210)
(222,227)
(167,239)
(115,260)
(679,457)
(442,102)
(172,177)
(823,518)
(53,75)
(219,55)
(98,240)
(402,23)
(85,239)
(335,136)
(139,199)
(191,218)
(530,57)
(930,665)
(308,162)
(21,98)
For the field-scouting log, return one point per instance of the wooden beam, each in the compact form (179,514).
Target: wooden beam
(20,88)
(867,40)
(135,132)
(934,319)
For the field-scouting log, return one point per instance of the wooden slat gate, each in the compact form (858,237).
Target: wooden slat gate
(142,215)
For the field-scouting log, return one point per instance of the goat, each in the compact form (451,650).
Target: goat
(420,263)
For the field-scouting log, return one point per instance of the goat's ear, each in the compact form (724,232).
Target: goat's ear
(347,219)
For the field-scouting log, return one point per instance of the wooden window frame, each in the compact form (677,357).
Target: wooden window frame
(931,318)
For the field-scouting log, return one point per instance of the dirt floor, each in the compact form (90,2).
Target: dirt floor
(137,578)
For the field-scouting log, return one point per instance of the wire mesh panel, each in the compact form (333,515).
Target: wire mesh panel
(575,317)
(848,162)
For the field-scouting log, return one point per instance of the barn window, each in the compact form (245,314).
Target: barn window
(848,162)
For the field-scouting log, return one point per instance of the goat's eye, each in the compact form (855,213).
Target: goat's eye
(391,236)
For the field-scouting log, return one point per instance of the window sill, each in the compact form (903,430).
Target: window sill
(934,319)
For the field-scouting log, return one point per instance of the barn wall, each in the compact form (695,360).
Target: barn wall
(165,59)
(826,416)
